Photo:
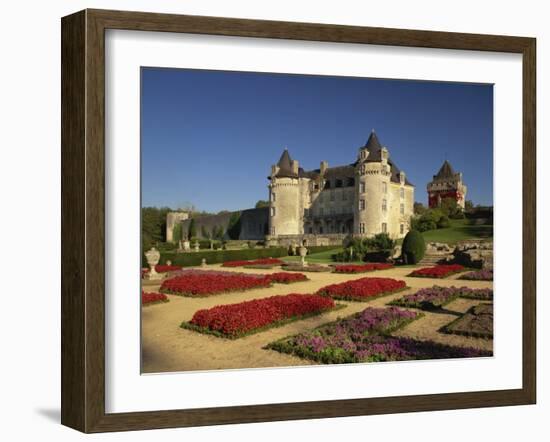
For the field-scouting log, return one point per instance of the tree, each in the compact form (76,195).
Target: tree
(450,207)
(153,226)
(217,232)
(192,230)
(419,208)
(261,203)
(468,205)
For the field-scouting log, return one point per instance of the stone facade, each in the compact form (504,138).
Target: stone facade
(173,218)
(362,199)
(446,184)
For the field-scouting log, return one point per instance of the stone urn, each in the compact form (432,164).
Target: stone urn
(153,257)
(303,252)
(186,246)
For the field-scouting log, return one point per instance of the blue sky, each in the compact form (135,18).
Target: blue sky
(209,138)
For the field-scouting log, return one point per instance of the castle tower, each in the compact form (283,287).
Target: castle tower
(372,189)
(446,184)
(285,203)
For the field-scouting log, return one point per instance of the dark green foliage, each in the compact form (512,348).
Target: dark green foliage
(261,203)
(234,226)
(444,222)
(413,248)
(204,232)
(218,256)
(153,226)
(379,242)
(192,230)
(217,233)
(419,208)
(450,207)
(177,233)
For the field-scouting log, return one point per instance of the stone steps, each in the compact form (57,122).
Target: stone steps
(433,259)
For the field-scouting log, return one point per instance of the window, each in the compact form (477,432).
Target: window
(384,205)
(272,197)
(361,227)
(327,184)
(384,187)
(384,227)
(361,204)
(316,187)
(402,209)
(338,183)
(362,154)
(351,182)
(402,229)
(311,230)
(362,187)
(272,211)
(273,230)
(402,193)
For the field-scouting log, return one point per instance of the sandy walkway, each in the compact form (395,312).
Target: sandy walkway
(168,347)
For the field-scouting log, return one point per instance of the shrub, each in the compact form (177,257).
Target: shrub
(444,222)
(413,248)
(380,241)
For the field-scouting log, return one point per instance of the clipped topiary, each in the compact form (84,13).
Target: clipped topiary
(413,248)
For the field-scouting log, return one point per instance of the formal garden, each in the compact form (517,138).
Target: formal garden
(267,307)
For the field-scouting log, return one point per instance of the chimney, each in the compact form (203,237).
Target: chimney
(324,167)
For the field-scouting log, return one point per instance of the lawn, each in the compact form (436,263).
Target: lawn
(460,230)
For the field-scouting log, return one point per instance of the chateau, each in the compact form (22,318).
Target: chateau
(319,207)
(369,196)
(446,184)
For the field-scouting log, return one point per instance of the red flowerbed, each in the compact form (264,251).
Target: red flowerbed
(235,320)
(153,298)
(262,261)
(361,268)
(362,289)
(203,284)
(439,271)
(286,277)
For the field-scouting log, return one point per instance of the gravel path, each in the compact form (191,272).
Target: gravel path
(168,347)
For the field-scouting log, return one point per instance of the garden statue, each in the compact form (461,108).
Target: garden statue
(303,252)
(211,245)
(203,262)
(186,245)
(196,245)
(153,257)
(168,262)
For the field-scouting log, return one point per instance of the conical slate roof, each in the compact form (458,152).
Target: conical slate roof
(446,171)
(285,166)
(374,147)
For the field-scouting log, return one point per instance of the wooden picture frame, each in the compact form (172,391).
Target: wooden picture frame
(83,220)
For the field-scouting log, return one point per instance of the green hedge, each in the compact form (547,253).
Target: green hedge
(217,256)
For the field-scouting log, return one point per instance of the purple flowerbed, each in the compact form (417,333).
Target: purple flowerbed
(363,338)
(436,297)
(478,275)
